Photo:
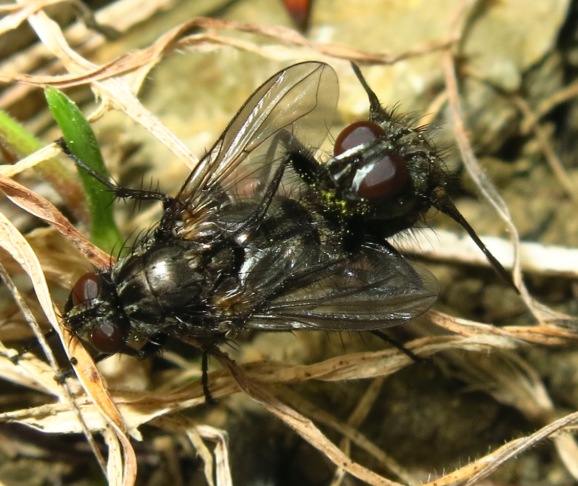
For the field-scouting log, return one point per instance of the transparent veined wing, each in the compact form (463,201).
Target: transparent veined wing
(371,289)
(295,105)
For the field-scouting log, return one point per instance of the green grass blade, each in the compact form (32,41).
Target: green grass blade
(82,142)
(17,143)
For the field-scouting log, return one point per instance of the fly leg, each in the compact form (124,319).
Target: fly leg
(398,345)
(33,345)
(253,222)
(296,155)
(153,345)
(65,370)
(205,378)
(119,192)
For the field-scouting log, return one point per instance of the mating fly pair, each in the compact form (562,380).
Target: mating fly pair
(263,235)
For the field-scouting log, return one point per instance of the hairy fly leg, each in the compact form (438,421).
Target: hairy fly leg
(119,192)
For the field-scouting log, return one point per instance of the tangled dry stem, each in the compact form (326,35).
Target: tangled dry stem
(117,415)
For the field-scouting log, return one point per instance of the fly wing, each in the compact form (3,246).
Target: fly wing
(372,289)
(295,104)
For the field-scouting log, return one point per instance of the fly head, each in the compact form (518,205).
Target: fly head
(386,170)
(94,313)
(385,174)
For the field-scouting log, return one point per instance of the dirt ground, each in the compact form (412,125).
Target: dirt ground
(492,395)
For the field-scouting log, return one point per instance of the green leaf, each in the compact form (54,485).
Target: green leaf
(82,142)
(15,139)
(17,143)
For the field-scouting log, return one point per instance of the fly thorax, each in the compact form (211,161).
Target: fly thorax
(156,285)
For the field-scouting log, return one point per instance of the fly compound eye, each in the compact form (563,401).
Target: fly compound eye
(107,337)
(356,134)
(86,288)
(382,179)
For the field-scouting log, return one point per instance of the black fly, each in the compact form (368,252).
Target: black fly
(385,174)
(253,241)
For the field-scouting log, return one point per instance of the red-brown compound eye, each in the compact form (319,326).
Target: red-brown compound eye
(382,179)
(107,338)
(87,288)
(357,134)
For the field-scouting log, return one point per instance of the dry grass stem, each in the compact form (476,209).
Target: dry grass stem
(484,356)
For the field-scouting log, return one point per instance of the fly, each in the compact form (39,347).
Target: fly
(385,174)
(245,244)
